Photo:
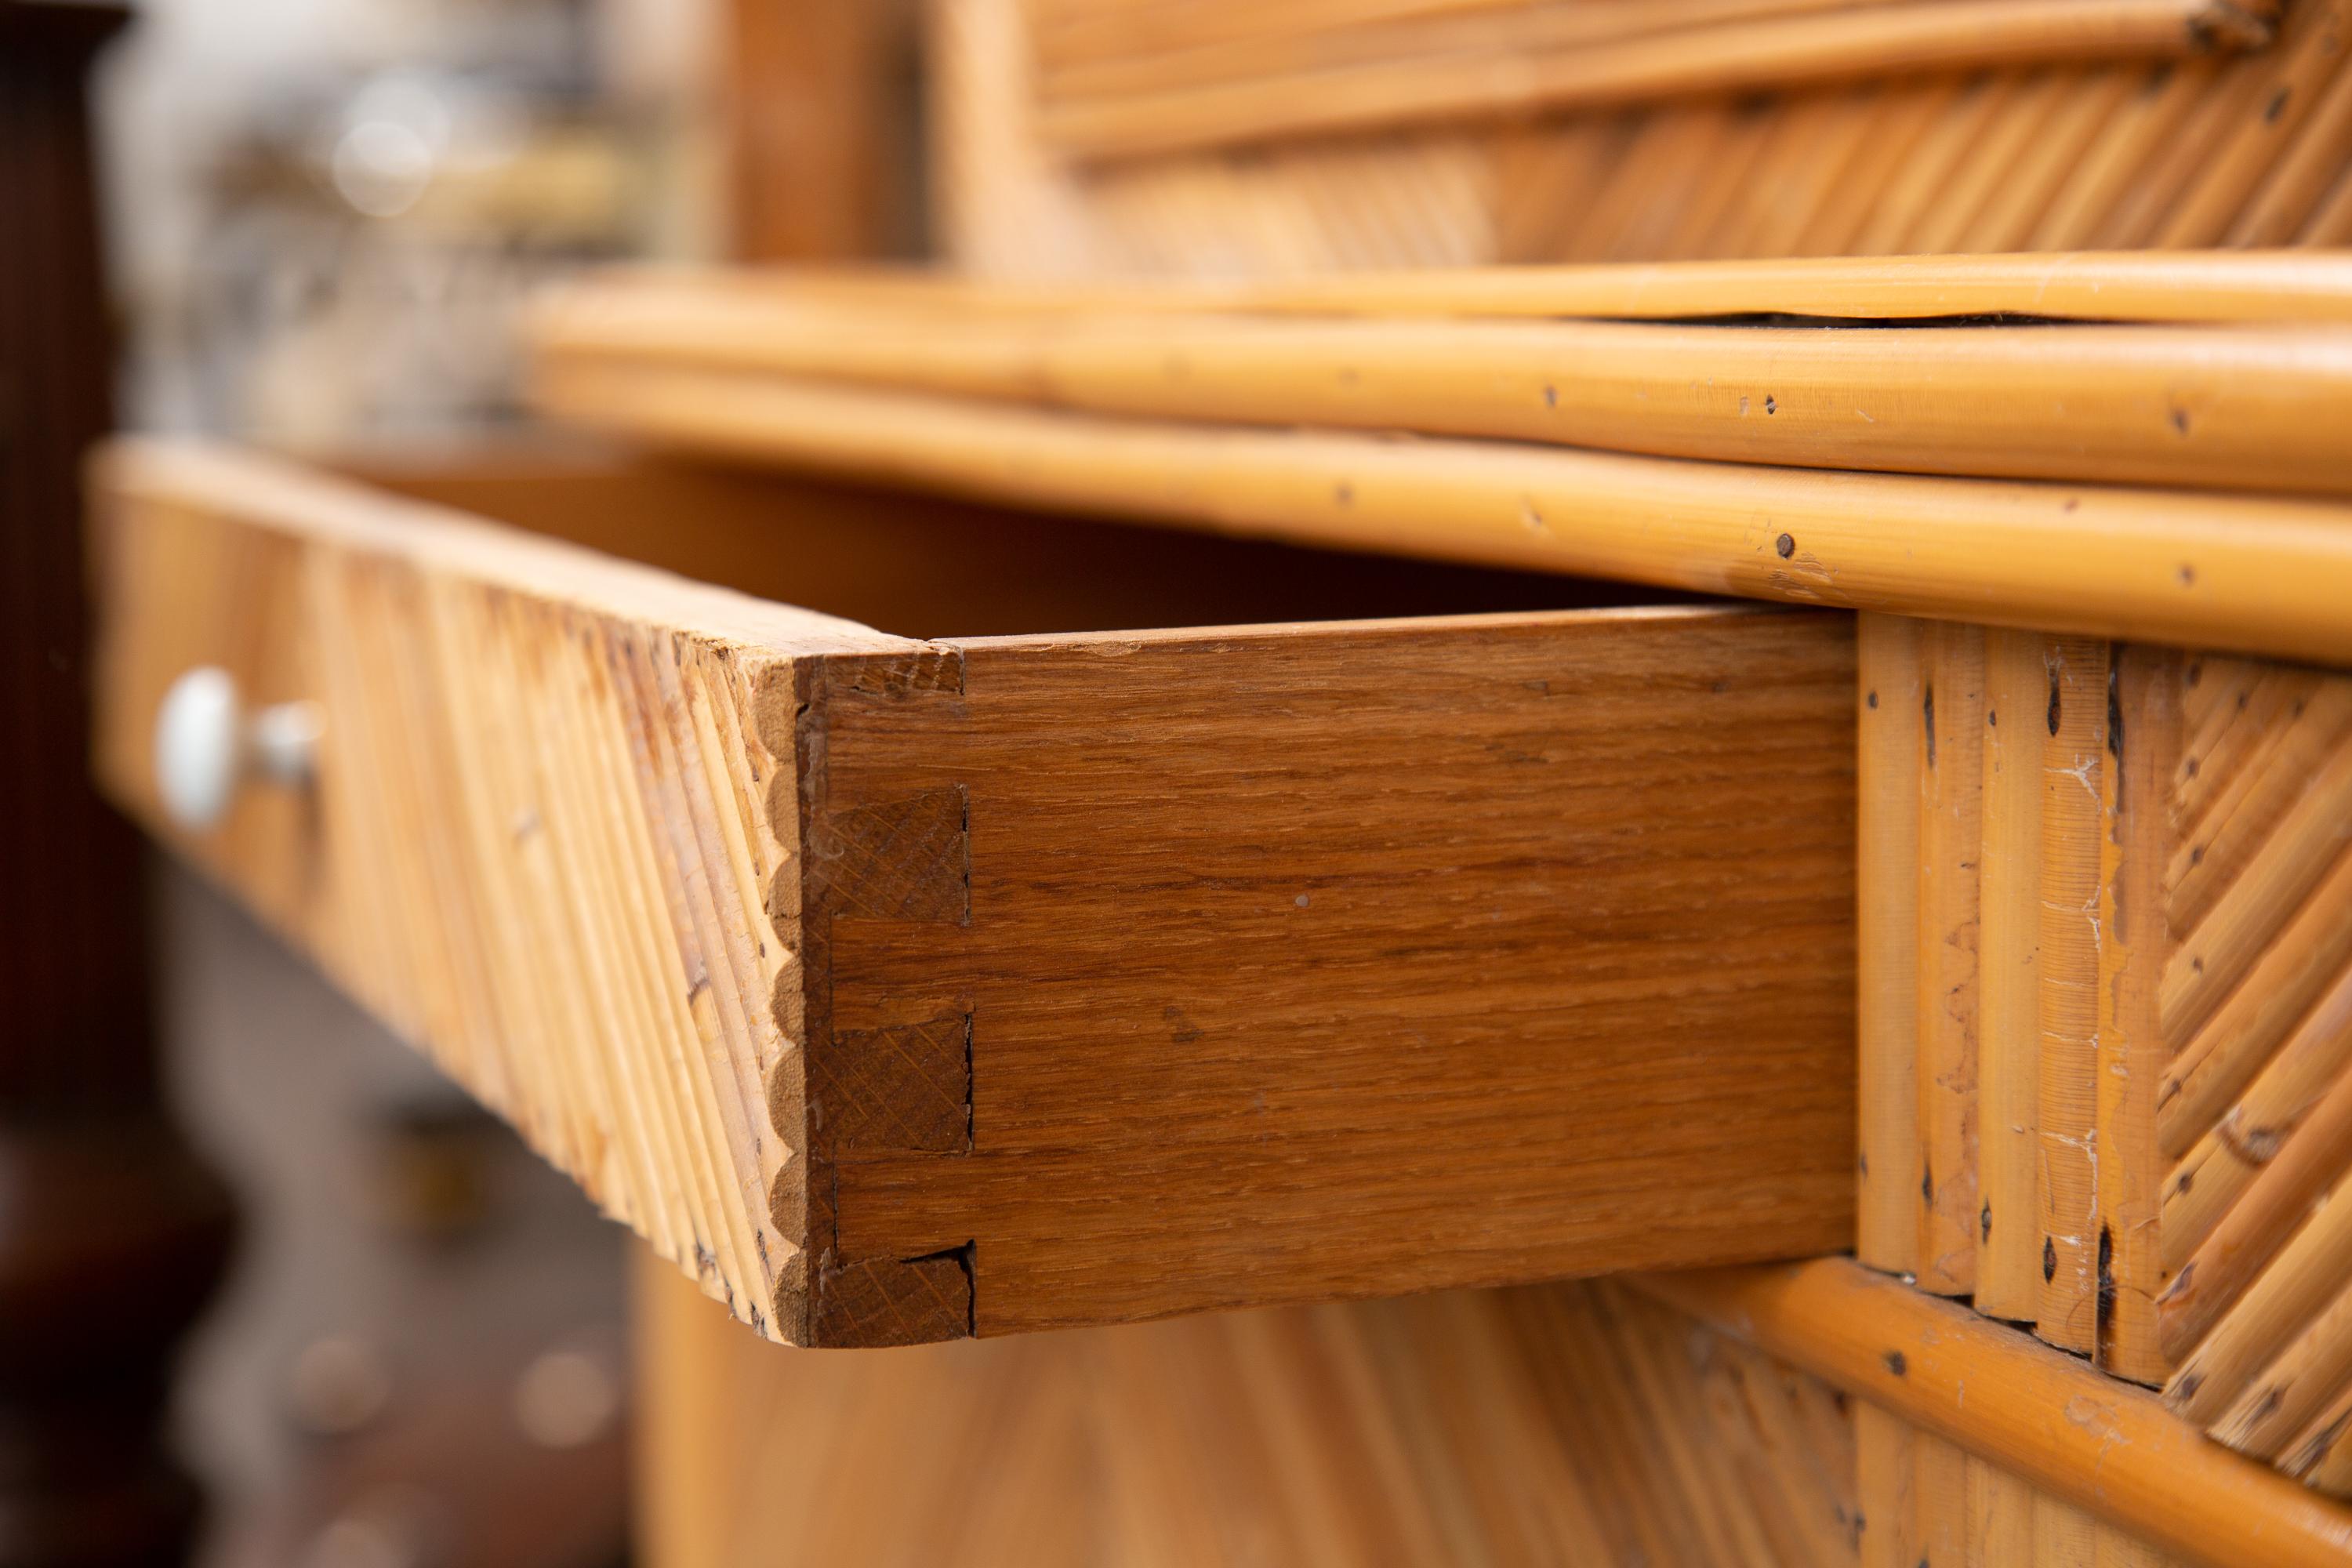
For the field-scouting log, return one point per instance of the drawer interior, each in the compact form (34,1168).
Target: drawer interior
(920,567)
(1081,973)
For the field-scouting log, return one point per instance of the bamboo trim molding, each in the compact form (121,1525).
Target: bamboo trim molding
(2204,287)
(2250,407)
(1797,49)
(2237,572)
(2098,1445)
(2156,970)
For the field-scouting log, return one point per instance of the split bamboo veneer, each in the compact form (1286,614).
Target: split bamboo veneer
(1802,1417)
(2128,1030)
(1113,84)
(903,989)
(1461,133)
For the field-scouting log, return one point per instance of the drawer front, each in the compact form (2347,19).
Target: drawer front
(902,990)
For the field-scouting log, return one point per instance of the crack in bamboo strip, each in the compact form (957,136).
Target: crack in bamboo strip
(1951,845)
(1795,50)
(2073,750)
(2232,1154)
(1951,839)
(2008,1277)
(2247,408)
(2086,1441)
(2143,748)
(1887,823)
(2275,576)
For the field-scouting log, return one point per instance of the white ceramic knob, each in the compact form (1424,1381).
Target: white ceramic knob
(206,744)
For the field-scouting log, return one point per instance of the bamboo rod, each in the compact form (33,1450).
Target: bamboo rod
(2296,1389)
(2308,1272)
(2215,1174)
(2073,752)
(1939,1494)
(2101,1445)
(1951,846)
(1386,30)
(1780,52)
(1888,145)
(2188,288)
(2123,1549)
(2247,776)
(2245,919)
(2317,1152)
(2251,574)
(1992,164)
(2283,983)
(1884,1472)
(2105,184)
(2143,746)
(2245,408)
(2292,191)
(1887,951)
(2286,79)
(2224,100)
(2009,1029)
(2089,100)
(2331,223)
(2321,1453)
(2001,1516)
(2063,1536)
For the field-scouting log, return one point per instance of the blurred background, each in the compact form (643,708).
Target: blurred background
(320,217)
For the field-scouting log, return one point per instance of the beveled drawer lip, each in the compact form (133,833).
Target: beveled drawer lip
(901,990)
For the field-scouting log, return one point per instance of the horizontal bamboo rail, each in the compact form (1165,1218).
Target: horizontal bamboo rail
(2101,1445)
(2259,574)
(2247,407)
(1084,52)
(1772,51)
(2242,287)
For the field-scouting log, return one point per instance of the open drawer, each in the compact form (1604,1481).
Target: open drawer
(902,987)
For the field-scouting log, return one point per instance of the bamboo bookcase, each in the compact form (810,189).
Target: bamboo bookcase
(2013,341)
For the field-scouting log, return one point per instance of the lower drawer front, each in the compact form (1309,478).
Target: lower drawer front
(904,989)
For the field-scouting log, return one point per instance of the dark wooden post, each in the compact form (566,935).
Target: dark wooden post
(111,1235)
